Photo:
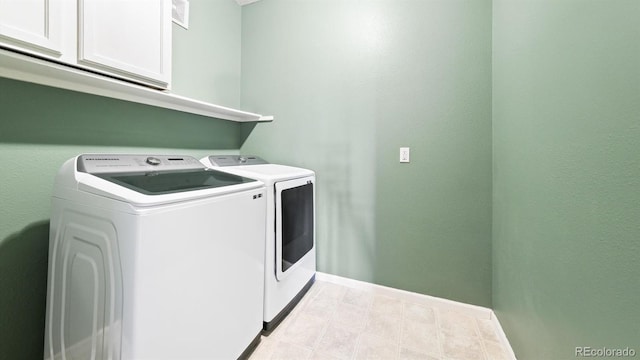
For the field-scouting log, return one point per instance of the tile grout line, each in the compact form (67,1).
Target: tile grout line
(403,321)
(367,314)
(485,353)
(436,314)
(318,341)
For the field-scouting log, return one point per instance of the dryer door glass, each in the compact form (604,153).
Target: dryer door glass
(297,223)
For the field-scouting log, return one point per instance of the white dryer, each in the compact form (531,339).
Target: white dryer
(290,253)
(153,257)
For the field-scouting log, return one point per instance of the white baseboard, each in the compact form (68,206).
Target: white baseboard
(468,309)
(472,310)
(503,337)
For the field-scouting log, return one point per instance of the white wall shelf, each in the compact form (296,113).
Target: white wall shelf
(31,69)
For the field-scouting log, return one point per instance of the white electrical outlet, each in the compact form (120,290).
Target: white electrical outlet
(180,12)
(404,154)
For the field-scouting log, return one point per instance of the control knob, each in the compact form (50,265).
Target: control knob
(153,161)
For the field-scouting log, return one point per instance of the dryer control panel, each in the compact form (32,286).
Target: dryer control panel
(105,163)
(235,160)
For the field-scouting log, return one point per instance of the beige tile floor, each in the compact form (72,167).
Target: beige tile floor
(339,322)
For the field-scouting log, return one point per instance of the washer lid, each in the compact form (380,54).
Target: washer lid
(144,181)
(168,182)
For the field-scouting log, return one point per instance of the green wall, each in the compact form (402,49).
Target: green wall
(41,127)
(206,57)
(352,81)
(542,225)
(566,175)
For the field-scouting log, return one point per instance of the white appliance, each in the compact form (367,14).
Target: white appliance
(154,257)
(290,253)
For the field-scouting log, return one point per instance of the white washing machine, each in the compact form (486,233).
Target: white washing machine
(154,257)
(290,253)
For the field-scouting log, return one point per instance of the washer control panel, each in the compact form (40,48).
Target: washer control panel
(153,161)
(106,163)
(235,160)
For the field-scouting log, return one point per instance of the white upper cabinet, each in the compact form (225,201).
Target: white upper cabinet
(131,38)
(32,26)
(128,39)
(73,44)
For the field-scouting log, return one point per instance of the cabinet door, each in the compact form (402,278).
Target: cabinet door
(130,38)
(32,26)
